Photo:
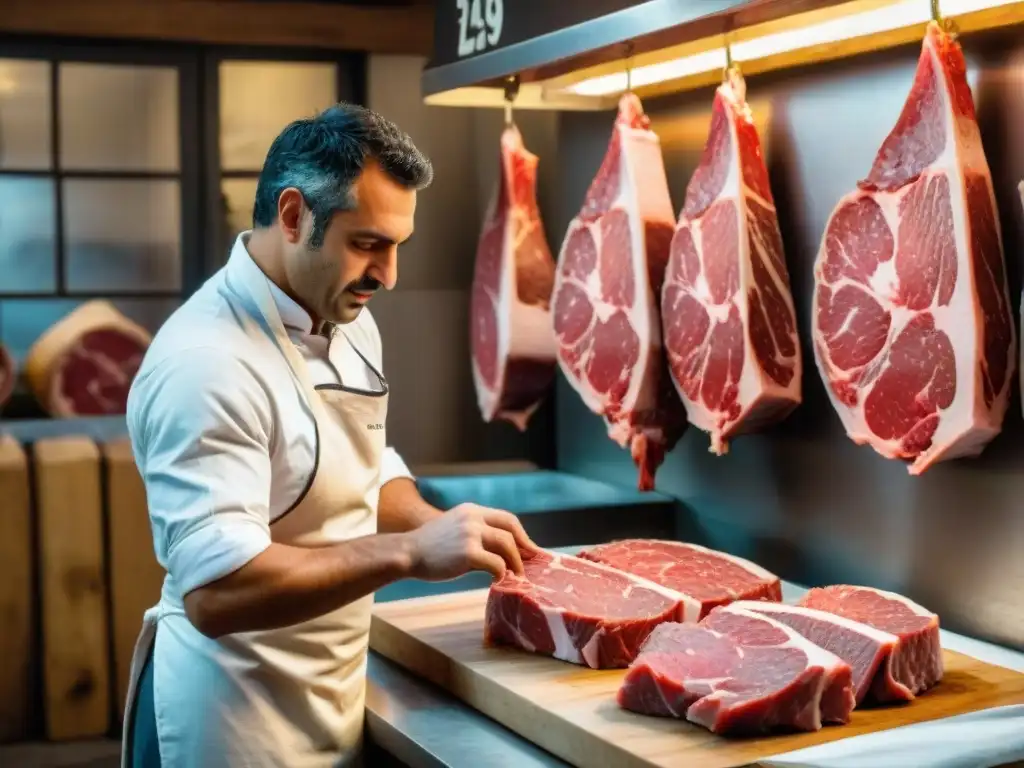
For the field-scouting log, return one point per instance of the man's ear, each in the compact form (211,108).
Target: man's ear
(290,210)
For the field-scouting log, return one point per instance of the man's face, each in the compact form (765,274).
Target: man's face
(359,254)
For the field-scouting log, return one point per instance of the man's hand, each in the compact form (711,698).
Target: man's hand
(467,538)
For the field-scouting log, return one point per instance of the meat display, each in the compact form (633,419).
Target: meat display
(915,664)
(577,611)
(513,343)
(606,310)
(705,577)
(912,328)
(8,375)
(738,673)
(729,322)
(84,364)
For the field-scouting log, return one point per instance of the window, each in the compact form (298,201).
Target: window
(126,172)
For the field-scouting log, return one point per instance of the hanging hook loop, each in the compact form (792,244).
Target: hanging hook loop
(629,66)
(511,91)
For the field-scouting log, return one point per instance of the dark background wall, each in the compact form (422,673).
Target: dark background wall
(802,499)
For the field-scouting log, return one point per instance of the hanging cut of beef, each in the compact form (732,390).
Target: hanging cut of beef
(84,364)
(512,340)
(912,329)
(606,311)
(729,323)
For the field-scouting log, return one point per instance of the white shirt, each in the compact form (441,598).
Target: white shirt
(222,436)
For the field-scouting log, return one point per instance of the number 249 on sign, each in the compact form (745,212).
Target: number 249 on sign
(479,28)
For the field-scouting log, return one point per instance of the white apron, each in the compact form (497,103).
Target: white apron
(291,697)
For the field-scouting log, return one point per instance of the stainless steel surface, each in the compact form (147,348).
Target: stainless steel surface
(426,727)
(647,26)
(801,498)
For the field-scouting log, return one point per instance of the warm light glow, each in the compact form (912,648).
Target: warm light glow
(899,14)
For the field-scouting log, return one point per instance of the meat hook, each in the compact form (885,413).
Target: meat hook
(629,66)
(511,91)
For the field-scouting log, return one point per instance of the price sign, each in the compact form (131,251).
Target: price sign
(467,28)
(479,29)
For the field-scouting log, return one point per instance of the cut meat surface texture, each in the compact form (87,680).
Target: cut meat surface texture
(7,375)
(729,322)
(512,339)
(707,578)
(737,674)
(577,611)
(915,664)
(606,311)
(912,328)
(85,363)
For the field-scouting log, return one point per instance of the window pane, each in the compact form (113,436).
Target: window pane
(238,196)
(27,235)
(25,119)
(258,99)
(118,117)
(122,235)
(22,321)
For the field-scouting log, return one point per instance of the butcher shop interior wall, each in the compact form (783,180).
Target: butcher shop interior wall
(801,498)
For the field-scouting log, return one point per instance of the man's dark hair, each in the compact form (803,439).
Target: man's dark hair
(322,156)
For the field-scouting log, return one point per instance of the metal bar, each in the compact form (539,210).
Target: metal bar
(58,187)
(647,26)
(92,174)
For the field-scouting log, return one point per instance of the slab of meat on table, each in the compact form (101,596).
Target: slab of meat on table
(605,302)
(512,338)
(577,611)
(738,673)
(727,309)
(84,364)
(706,577)
(912,329)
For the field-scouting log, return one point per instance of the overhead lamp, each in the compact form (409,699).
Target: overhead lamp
(900,14)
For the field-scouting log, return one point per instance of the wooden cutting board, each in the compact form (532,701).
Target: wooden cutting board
(571,711)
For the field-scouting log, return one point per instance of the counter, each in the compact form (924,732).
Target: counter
(426,727)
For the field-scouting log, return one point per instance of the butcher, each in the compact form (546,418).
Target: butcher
(257,421)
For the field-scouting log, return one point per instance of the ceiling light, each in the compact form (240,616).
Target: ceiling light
(896,15)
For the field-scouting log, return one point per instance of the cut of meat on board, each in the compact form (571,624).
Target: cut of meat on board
(835,698)
(912,328)
(916,663)
(708,577)
(577,611)
(512,339)
(726,305)
(869,651)
(8,375)
(84,364)
(769,680)
(605,302)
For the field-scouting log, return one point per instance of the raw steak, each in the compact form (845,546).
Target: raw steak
(727,310)
(742,677)
(606,314)
(868,650)
(7,375)
(912,329)
(917,662)
(513,342)
(705,577)
(577,611)
(84,364)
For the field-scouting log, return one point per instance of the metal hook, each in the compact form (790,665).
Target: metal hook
(936,11)
(629,66)
(511,91)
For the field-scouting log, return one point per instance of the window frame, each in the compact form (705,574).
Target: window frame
(350,79)
(187,64)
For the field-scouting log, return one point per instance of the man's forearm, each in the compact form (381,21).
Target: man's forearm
(286,585)
(401,507)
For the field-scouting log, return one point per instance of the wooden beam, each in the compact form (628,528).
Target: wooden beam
(382,29)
